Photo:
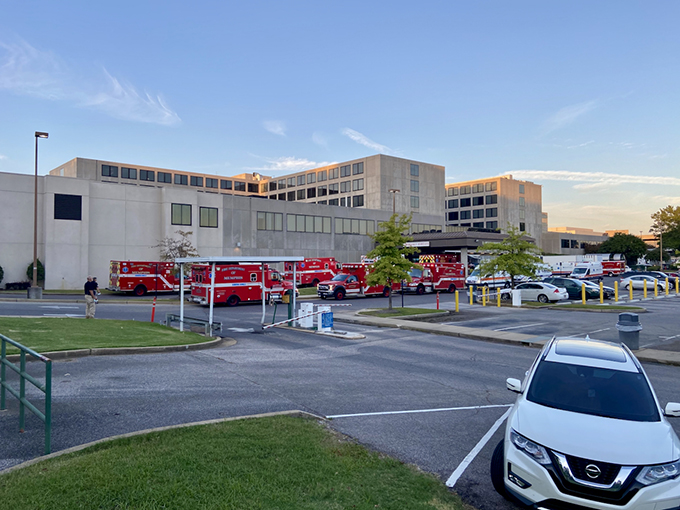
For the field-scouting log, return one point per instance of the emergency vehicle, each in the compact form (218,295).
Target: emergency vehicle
(587,271)
(439,272)
(236,282)
(613,264)
(141,277)
(312,271)
(352,282)
(500,279)
(613,267)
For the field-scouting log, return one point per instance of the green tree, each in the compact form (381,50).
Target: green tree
(513,255)
(41,271)
(666,227)
(391,256)
(632,247)
(173,248)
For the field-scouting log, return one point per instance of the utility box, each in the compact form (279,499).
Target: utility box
(629,328)
(305,309)
(516,297)
(325,319)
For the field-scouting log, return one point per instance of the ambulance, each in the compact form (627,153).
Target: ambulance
(351,281)
(311,271)
(140,277)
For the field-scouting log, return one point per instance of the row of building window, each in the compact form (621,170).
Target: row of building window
(491,212)
(453,203)
(474,188)
(313,224)
(180,214)
(569,243)
(493,225)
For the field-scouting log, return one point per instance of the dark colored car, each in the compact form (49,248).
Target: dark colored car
(655,274)
(573,287)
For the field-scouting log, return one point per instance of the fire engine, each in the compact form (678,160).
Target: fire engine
(613,264)
(141,277)
(613,267)
(236,282)
(439,272)
(312,271)
(352,282)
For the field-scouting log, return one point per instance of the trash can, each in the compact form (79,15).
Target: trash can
(629,330)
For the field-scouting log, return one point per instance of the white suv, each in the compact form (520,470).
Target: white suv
(587,432)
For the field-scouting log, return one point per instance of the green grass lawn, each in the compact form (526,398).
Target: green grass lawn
(399,312)
(62,334)
(282,463)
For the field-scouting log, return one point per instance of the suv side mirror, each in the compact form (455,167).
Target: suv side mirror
(672,410)
(516,385)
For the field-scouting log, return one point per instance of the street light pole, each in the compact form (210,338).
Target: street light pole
(394,194)
(35,292)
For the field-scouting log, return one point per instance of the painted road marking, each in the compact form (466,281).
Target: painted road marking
(61,307)
(417,411)
(523,326)
(471,456)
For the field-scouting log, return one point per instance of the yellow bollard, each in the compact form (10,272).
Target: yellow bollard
(470,293)
(656,287)
(583,293)
(644,294)
(666,286)
(630,288)
(616,291)
(498,297)
(601,293)
(457,309)
(677,285)
(484,296)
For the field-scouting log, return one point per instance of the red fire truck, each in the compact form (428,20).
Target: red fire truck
(312,271)
(613,267)
(436,276)
(141,277)
(236,282)
(351,281)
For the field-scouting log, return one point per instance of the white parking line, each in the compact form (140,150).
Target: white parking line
(417,411)
(471,456)
(523,326)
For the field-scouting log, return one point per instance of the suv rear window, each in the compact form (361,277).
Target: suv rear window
(596,391)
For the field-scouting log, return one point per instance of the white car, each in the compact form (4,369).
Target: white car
(538,291)
(638,282)
(587,431)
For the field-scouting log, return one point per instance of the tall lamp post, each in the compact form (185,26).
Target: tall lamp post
(394,194)
(35,292)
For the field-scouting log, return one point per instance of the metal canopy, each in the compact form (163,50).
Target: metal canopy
(229,260)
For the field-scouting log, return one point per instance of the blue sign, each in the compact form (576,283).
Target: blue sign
(327,320)
(125,269)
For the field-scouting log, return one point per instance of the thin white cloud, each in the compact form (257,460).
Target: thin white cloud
(580,145)
(276,127)
(567,115)
(593,177)
(289,165)
(367,142)
(2,156)
(320,139)
(25,70)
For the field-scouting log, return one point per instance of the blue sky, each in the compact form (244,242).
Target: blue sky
(580,97)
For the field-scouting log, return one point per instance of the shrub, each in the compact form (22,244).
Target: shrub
(41,272)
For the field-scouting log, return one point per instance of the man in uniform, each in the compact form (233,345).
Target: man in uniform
(90,298)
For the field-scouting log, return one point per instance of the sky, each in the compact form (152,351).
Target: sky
(580,97)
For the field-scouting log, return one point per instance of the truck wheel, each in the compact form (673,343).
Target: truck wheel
(420,290)
(452,289)
(315,282)
(140,290)
(233,300)
(542,298)
(386,292)
(497,470)
(323,296)
(339,294)
(610,274)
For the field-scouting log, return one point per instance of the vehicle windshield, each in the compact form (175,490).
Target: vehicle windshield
(475,272)
(596,391)
(339,278)
(579,270)
(415,273)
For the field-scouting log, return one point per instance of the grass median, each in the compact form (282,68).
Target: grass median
(262,463)
(47,334)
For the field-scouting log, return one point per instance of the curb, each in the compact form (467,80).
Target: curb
(294,412)
(114,351)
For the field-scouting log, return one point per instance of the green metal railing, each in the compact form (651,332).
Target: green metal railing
(24,404)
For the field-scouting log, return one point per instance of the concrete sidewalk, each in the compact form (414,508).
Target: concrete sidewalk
(647,355)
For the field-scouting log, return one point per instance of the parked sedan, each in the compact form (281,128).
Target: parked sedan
(638,282)
(538,291)
(573,287)
(607,292)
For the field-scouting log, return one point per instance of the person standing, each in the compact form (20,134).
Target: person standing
(90,298)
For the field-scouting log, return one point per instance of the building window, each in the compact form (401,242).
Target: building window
(291,196)
(345,171)
(165,177)
(321,175)
(181,179)
(308,224)
(269,221)
(333,201)
(492,224)
(146,175)
(181,214)
(478,224)
(322,191)
(491,186)
(478,213)
(311,178)
(522,227)
(357,184)
(350,226)
(521,201)
(272,185)
(521,214)
(301,194)
(574,243)
(68,207)
(109,171)
(521,189)
(210,183)
(452,216)
(333,173)
(333,189)
(282,183)
(415,202)
(415,170)
(465,202)
(272,197)
(311,192)
(343,202)
(239,186)
(465,215)
(492,212)
(477,188)
(224,184)
(415,186)
(196,181)
(358,201)
(453,204)
(291,182)
(358,168)
(301,180)
(282,196)
(253,187)
(452,192)
(477,200)
(491,199)
(564,243)
(208,217)
(465,190)
(345,187)
(128,173)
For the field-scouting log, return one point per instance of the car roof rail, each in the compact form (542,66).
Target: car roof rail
(632,357)
(546,348)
